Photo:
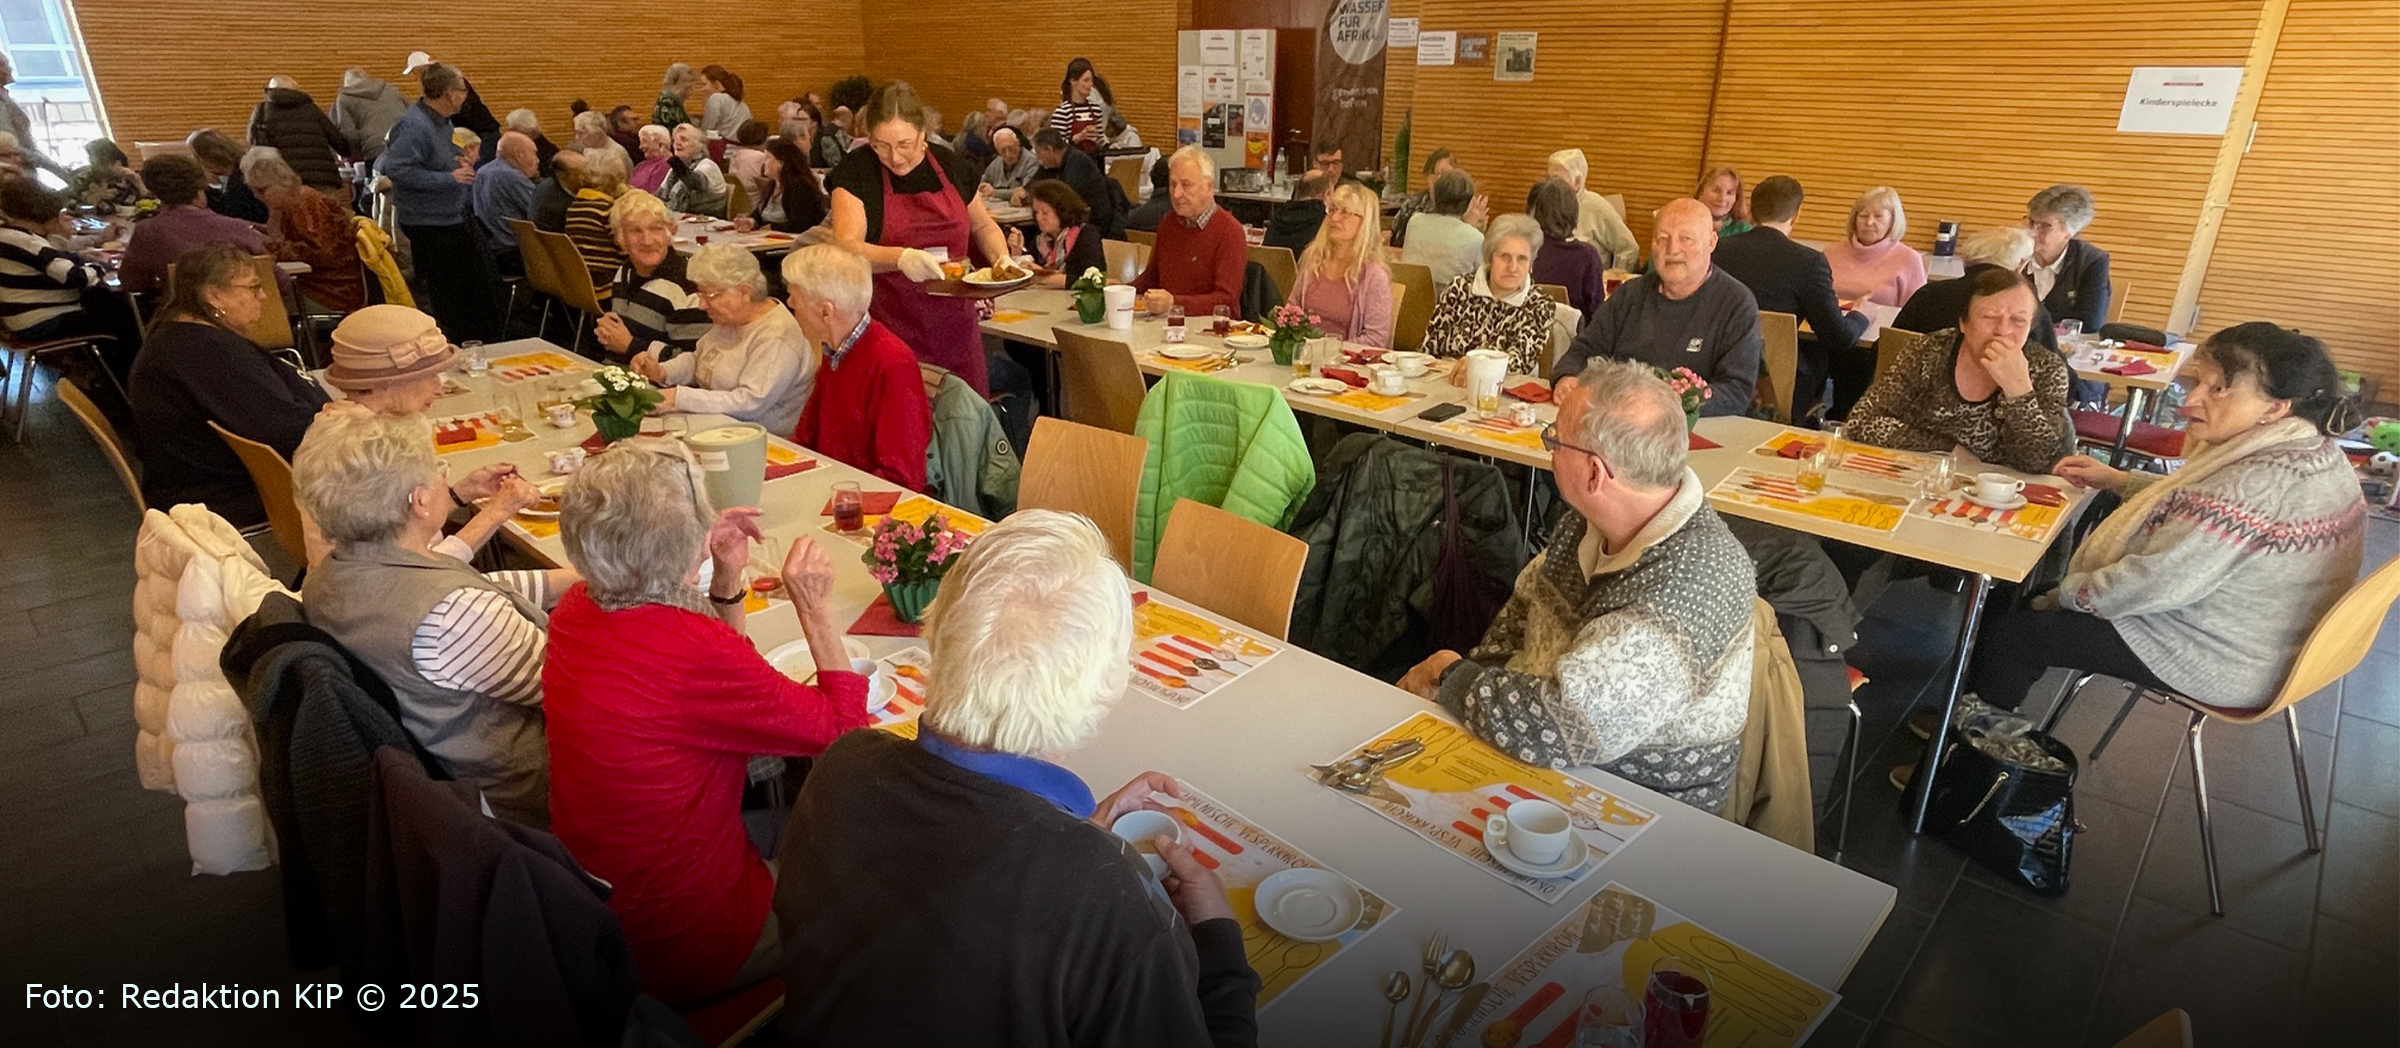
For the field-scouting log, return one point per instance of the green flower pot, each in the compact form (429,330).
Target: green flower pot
(1284,349)
(1691,420)
(613,428)
(910,598)
(1089,308)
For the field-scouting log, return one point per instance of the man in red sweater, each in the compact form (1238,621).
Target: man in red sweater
(868,408)
(1201,251)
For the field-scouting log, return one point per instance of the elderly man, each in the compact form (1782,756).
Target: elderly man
(1790,277)
(1039,925)
(504,190)
(556,190)
(1441,238)
(1295,222)
(1201,251)
(1080,172)
(868,407)
(1943,303)
(1013,166)
(430,184)
(1627,644)
(654,307)
(1687,315)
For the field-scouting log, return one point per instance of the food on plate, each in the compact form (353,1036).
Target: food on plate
(546,504)
(1001,272)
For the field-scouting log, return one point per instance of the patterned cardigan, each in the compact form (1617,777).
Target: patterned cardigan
(1916,407)
(1465,318)
(1643,671)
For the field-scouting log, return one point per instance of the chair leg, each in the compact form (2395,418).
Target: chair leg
(24,396)
(2308,810)
(542,329)
(2070,688)
(2208,829)
(2132,695)
(100,363)
(1841,839)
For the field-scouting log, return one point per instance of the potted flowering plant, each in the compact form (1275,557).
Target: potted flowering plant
(624,400)
(910,560)
(1289,328)
(1691,388)
(1090,307)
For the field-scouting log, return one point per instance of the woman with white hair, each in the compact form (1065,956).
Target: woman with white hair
(1943,303)
(653,306)
(651,171)
(674,90)
(868,406)
(591,134)
(598,185)
(1874,263)
(461,650)
(695,185)
(657,702)
(2069,274)
(304,226)
(528,123)
(972,824)
(753,364)
(1495,306)
(1342,278)
(1596,220)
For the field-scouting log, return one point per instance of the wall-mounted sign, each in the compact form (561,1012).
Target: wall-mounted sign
(1437,48)
(2166,100)
(1516,57)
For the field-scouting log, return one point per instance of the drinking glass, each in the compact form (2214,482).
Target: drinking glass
(1939,478)
(477,361)
(1608,1019)
(511,409)
(1220,321)
(1675,1007)
(764,574)
(849,508)
(2068,328)
(1811,476)
(1837,443)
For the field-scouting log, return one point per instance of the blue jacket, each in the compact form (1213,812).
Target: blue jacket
(501,193)
(418,158)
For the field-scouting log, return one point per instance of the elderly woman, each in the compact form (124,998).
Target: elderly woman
(695,185)
(894,200)
(2207,580)
(723,115)
(653,306)
(529,123)
(1029,641)
(1495,306)
(1440,238)
(651,172)
(674,90)
(1721,189)
(1068,243)
(598,186)
(1597,222)
(182,223)
(198,366)
(753,364)
(41,285)
(746,160)
(793,201)
(868,407)
(656,703)
(2069,274)
(303,226)
(461,651)
(1975,387)
(1873,263)
(1565,259)
(591,133)
(108,185)
(1943,303)
(1342,278)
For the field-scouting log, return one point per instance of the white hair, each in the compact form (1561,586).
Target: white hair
(678,75)
(603,167)
(2071,204)
(591,123)
(638,206)
(649,131)
(263,167)
(634,522)
(1029,636)
(356,471)
(522,120)
(1633,421)
(1880,198)
(828,274)
(724,265)
(1505,227)
(2007,247)
(1572,162)
(1195,155)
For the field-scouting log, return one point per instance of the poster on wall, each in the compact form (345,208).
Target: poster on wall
(2167,100)
(1218,46)
(1257,125)
(1187,91)
(1474,48)
(1350,59)
(1437,49)
(1403,33)
(1516,57)
(1217,86)
(1258,54)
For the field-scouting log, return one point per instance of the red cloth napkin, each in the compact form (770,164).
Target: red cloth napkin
(1354,379)
(448,435)
(775,471)
(2130,367)
(2044,495)
(1798,449)
(1530,392)
(2145,347)
(880,621)
(874,503)
(595,443)
(1368,355)
(1700,443)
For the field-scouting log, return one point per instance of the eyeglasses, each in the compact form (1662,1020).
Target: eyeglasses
(883,148)
(252,286)
(1551,444)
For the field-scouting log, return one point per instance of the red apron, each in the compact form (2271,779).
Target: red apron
(943,331)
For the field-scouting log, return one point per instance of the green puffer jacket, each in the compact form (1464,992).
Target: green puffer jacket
(1233,445)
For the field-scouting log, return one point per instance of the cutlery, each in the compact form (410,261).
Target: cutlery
(1358,774)
(1460,1012)
(1435,949)
(1457,969)
(1395,990)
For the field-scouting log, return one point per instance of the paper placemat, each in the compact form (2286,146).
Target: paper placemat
(1528,437)
(2029,521)
(486,427)
(1244,854)
(908,667)
(1837,501)
(1372,402)
(914,509)
(1899,467)
(1169,645)
(523,366)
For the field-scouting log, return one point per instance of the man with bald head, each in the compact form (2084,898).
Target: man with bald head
(1684,314)
(504,190)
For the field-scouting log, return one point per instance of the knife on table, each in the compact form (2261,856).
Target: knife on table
(1467,1003)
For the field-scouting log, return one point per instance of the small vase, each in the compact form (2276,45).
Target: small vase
(1283,349)
(1090,307)
(614,428)
(910,598)
(1691,420)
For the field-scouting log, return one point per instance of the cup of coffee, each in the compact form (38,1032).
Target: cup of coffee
(566,460)
(879,683)
(562,415)
(1141,828)
(1388,381)
(1411,365)
(1996,487)
(1523,414)
(1535,831)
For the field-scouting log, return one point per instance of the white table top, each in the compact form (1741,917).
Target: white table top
(1799,911)
(720,231)
(2089,359)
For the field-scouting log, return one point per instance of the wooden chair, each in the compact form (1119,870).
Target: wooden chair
(2334,647)
(575,288)
(1125,259)
(1237,568)
(1144,237)
(2172,1030)
(1616,200)
(1281,267)
(104,434)
(25,356)
(737,199)
(1408,328)
(541,274)
(1890,345)
(274,327)
(1127,170)
(1565,324)
(1399,301)
(1079,469)
(273,478)
(1782,362)
(2119,291)
(1553,292)
(1100,384)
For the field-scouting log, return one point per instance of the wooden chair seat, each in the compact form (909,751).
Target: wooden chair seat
(1081,469)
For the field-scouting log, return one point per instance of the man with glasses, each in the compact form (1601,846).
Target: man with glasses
(1627,644)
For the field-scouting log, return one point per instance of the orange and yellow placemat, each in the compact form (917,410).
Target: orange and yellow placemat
(1010,316)
(1497,432)
(915,509)
(2029,521)
(1872,510)
(1364,400)
(1181,657)
(534,365)
(1900,467)
(465,433)
(1243,854)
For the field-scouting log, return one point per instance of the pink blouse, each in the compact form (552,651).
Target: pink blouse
(1885,273)
(1361,314)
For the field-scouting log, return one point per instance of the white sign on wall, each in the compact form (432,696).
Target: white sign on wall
(1402,32)
(1219,47)
(1437,49)
(2169,100)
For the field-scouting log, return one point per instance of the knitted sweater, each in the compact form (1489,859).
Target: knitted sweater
(1637,663)
(2223,576)
(1466,317)
(1916,407)
(1887,273)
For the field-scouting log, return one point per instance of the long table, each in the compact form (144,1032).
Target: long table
(1794,909)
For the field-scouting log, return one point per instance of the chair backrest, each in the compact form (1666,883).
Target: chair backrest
(2118,292)
(146,150)
(274,327)
(2172,1030)
(1094,472)
(541,274)
(1282,268)
(105,435)
(737,199)
(1781,332)
(574,274)
(1125,259)
(1237,568)
(273,478)
(1890,345)
(2339,641)
(1564,325)
(1399,301)
(1127,170)
(1100,383)
(1553,292)
(1408,328)
(1615,200)
(1144,237)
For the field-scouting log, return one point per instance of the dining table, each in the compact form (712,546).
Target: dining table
(1809,916)
(2140,372)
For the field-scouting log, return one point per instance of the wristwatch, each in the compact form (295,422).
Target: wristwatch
(727,602)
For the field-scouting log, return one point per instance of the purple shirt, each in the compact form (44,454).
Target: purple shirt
(1575,266)
(162,239)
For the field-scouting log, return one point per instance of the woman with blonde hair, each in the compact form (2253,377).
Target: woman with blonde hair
(1342,278)
(1721,189)
(602,181)
(1873,263)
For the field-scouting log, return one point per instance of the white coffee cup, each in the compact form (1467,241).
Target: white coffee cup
(1411,365)
(1139,828)
(1997,487)
(562,415)
(879,683)
(1388,381)
(566,460)
(1119,299)
(1536,831)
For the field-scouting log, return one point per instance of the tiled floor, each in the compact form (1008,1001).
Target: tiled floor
(96,890)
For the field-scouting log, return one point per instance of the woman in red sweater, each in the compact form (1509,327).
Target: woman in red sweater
(868,408)
(655,702)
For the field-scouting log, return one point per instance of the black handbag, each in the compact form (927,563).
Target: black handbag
(2016,819)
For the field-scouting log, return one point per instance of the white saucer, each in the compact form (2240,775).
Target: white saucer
(795,661)
(2016,501)
(1308,904)
(1245,341)
(1318,387)
(1187,351)
(1565,864)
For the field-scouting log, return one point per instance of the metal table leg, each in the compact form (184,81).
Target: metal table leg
(1978,587)
(2135,408)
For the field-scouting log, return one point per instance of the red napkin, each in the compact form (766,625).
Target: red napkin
(2130,367)
(2145,347)
(880,621)
(1530,392)
(1368,355)
(595,443)
(1354,379)
(1798,449)
(873,503)
(1700,443)
(775,471)
(2044,495)
(459,434)
(1141,597)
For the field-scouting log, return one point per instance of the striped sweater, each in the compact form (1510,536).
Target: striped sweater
(662,310)
(39,282)
(587,226)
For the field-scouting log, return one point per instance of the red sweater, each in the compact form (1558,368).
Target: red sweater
(653,714)
(1201,267)
(869,410)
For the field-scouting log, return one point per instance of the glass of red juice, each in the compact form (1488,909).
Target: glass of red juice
(849,508)
(1675,1007)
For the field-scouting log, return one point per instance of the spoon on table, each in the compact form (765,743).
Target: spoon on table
(1456,972)
(1434,950)
(1395,990)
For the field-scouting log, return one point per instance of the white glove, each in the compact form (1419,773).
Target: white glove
(918,266)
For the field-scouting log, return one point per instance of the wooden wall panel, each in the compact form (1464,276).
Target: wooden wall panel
(162,71)
(957,57)
(2307,241)
(1969,108)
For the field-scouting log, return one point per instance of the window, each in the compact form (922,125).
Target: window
(52,82)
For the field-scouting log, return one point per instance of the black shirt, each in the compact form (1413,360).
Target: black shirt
(188,375)
(861,172)
(550,202)
(1082,174)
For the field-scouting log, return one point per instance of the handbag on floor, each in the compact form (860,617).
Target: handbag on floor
(2015,816)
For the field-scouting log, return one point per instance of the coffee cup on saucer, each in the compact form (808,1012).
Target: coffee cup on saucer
(1995,488)
(1388,381)
(1535,831)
